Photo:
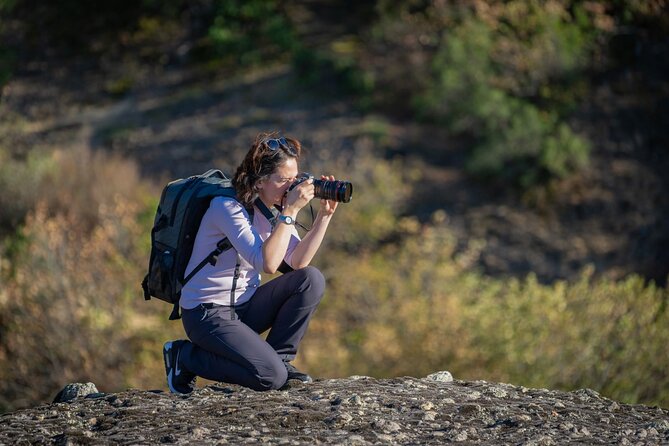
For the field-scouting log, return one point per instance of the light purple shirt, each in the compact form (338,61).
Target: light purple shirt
(226,217)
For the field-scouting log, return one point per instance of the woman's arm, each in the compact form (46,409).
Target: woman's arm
(275,247)
(226,217)
(306,249)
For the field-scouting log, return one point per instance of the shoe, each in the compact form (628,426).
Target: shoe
(178,380)
(293,373)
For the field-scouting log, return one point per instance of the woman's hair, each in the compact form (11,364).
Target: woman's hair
(262,161)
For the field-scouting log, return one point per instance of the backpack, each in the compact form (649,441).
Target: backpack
(182,205)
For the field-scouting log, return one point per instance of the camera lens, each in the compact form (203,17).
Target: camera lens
(340,191)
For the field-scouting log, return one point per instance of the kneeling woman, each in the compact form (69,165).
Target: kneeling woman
(225,343)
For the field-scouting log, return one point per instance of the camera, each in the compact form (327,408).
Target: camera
(340,191)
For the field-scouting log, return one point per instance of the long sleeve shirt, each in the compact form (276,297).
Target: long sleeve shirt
(226,217)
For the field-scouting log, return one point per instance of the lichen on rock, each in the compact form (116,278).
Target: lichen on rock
(352,410)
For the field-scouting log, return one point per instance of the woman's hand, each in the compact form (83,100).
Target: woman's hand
(306,249)
(328,207)
(299,197)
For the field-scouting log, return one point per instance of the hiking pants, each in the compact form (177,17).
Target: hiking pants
(231,350)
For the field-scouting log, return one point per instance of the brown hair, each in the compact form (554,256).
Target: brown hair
(260,162)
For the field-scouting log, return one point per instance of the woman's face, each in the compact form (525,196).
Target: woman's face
(272,188)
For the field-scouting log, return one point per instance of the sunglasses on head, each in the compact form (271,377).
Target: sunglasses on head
(276,143)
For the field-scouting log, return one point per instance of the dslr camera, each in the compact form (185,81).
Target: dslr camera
(340,191)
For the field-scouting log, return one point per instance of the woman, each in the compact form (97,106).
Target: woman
(225,343)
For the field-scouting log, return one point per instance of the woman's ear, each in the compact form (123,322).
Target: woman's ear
(259,185)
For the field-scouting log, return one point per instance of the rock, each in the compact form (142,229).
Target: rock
(339,411)
(498,392)
(662,425)
(389,439)
(75,390)
(587,395)
(460,436)
(428,405)
(443,376)
(387,426)
(199,433)
(430,416)
(541,441)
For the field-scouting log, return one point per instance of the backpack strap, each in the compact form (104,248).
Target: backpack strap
(176,312)
(235,276)
(270,214)
(222,245)
(145,287)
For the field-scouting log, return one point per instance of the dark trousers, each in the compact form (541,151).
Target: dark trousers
(231,350)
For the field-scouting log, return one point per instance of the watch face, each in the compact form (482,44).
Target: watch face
(286,219)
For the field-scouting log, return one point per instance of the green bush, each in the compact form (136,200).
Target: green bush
(251,32)
(336,72)
(522,146)
(504,77)
(475,94)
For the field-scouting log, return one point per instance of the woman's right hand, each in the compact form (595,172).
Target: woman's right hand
(299,197)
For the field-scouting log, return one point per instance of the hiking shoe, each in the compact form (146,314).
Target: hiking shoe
(293,373)
(178,379)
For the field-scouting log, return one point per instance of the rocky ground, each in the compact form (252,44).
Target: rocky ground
(356,410)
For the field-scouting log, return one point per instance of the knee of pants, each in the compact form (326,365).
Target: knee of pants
(314,280)
(273,377)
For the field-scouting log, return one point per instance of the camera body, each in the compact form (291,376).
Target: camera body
(340,191)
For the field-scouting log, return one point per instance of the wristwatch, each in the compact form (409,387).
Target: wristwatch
(287,219)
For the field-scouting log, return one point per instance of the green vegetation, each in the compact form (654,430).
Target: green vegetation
(251,32)
(472,93)
(503,77)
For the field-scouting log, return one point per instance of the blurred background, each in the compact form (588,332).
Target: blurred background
(510,219)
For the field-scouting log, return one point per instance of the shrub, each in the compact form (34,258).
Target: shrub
(20,187)
(251,32)
(476,94)
(413,307)
(336,72)
(523,147)
(71,307)
(504,76)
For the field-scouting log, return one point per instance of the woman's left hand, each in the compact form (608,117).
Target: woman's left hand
(328,207)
